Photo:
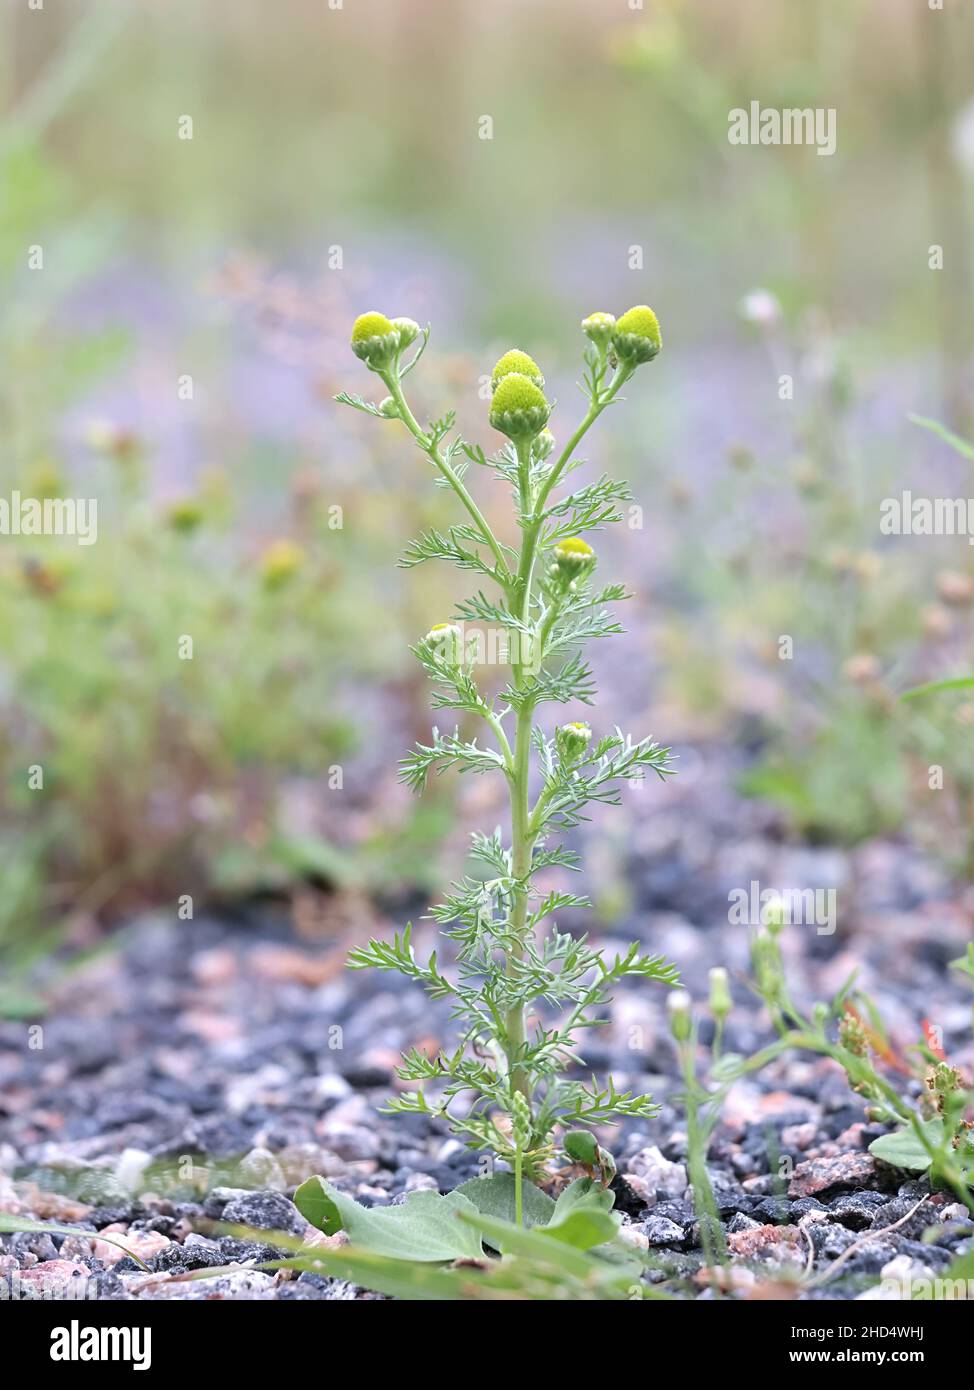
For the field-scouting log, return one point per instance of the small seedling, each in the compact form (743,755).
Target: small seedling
(512,962)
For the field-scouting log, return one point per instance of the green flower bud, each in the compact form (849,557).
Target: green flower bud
(766,967)
(853,1035)
(518,408)
(521,1122)
(544,444)
(773,913)
(444,642)
(720,998)
(516,361)
(388,409)
(408,330)
(571,740)
(678,1008)
(599,327)
(637,337)
(582,1147)
(375,340)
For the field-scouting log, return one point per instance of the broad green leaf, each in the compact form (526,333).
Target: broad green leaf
(535,1244)
(583,1194)
(524,1277)
(424,1227)
(583,1215)
(9,1225)
(903,1149)
(495,1197)
(612,1269)
(583,1228)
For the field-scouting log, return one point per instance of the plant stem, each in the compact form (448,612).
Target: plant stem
(523,825)
(522,840)
(429,448)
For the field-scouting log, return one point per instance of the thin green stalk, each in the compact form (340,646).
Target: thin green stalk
(429,448)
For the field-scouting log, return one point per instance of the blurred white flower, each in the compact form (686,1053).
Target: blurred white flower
(761,307)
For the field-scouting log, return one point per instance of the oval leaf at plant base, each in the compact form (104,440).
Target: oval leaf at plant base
(903,1149)
(423,1228)
(494,1196)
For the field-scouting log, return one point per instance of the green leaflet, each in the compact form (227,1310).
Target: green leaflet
(424,1228)
(903,1149)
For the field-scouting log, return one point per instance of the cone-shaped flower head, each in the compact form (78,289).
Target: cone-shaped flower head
(572,740)
(637,337)
(443,641)
(375,340)
(280,562)
(516,361)
(599,328)
(574,554)
(518,408)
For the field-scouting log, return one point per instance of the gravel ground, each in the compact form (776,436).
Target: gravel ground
(203,1069)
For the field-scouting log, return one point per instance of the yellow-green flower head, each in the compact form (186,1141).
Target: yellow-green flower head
(375,340)
(185,514)
(515,360)
(280,562)
(572,740)
(388,409)
(518,408)
(574,554)
(636,337)
(408,330)
(443,640)
(598,327)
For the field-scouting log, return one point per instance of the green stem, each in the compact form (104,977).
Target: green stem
(522,839)
(524,826)
(428,447)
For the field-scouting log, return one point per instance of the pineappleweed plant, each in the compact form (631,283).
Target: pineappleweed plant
(511,958)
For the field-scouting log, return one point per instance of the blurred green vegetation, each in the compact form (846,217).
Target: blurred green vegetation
(336,163)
